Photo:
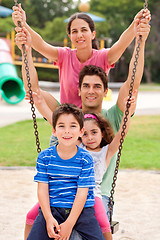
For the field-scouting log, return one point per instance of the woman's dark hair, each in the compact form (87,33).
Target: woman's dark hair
(104,125)
(87,19)
(67,108)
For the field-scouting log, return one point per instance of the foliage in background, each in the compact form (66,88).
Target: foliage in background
(40,11)
(55,30)
(152,59)
(6,24)
(7,3)
(119,14)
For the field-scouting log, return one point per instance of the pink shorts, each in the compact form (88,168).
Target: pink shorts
(32,214)
(101,215)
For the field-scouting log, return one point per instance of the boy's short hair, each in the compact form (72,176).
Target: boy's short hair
(93,70)
(67,108)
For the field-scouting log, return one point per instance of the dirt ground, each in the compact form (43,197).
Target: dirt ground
(137,203)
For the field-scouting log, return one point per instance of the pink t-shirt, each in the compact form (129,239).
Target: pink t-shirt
(69,68)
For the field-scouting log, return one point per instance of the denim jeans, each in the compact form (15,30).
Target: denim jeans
(75,235)
(53,140)
(107,205)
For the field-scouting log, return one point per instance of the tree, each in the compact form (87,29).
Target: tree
(7,3)
(152,66)
(119,15)
(55,30)
(41,11)
(6,24)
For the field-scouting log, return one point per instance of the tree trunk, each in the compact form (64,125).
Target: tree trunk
(148,76)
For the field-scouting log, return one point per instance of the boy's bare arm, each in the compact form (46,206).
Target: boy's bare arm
(79,202)
(127,37)
(43,197)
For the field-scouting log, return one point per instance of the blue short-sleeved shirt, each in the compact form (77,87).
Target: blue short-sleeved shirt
(65,176)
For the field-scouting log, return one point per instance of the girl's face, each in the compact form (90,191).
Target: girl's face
(80,34)
(92,135)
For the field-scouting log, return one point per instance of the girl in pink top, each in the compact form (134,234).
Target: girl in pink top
(81,31)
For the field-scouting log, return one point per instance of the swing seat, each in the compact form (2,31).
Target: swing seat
(114,227)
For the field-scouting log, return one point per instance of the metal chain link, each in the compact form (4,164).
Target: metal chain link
(125,122)
(146,4)
(30,91)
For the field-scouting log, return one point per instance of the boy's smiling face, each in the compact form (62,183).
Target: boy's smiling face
(67,130)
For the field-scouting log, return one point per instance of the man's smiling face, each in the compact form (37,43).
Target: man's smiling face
(92,93)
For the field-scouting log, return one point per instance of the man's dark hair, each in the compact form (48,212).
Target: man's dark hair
(67,108)
(93,70)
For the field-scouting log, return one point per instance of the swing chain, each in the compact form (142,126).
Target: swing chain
(124,122)
(30,91)
(146,4)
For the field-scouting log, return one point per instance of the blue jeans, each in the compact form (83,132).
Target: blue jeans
(86,224)
(75,235)
(53,140)
(107,205)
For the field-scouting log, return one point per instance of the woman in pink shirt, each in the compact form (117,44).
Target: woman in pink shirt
(81,31)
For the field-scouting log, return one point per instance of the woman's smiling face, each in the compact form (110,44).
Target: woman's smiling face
(80,34)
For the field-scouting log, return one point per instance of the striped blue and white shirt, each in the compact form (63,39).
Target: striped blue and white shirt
(65,176)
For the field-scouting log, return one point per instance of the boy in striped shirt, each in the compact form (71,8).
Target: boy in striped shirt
(65,177)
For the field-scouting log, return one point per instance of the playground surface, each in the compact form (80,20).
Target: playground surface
(137,204)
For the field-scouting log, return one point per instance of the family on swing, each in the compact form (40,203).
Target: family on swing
(75,173)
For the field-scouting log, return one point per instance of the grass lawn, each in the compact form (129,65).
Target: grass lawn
(18,145)
(141,149)
(150,87)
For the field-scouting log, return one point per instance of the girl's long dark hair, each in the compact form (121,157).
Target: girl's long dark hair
(87,19)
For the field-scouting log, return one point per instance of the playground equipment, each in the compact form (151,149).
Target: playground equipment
(5,12)
(17,60)
(11,86)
